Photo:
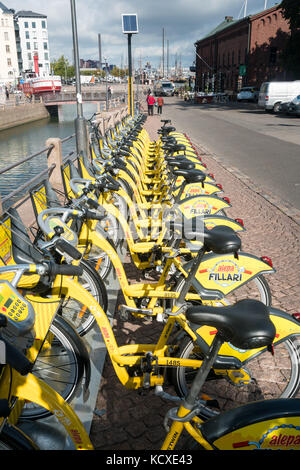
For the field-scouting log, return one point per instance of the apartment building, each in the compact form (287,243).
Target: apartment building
(33,38)
(9,69)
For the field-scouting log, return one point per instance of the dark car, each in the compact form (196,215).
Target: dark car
(283,107)
(294,106)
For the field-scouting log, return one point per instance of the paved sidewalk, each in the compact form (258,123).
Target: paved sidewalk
(134,422)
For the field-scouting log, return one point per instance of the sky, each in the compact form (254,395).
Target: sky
(183,21)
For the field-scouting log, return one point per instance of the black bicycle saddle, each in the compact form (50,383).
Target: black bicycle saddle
(245,325)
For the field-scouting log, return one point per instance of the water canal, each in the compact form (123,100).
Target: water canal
(22,141)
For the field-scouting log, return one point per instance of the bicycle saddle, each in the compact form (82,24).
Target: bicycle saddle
(220,239)
(245,325)
(191,176)
(183,164)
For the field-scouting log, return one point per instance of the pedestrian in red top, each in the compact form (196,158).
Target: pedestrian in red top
(150,100)
(160,103)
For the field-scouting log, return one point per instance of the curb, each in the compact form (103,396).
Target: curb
(285,207)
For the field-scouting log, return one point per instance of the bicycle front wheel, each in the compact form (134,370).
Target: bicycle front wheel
(59,364)
(74,311)
(12,438)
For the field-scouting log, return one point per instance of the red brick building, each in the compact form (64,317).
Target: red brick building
(242,52)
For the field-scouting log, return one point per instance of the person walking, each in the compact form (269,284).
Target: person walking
(160,103)
(150,101)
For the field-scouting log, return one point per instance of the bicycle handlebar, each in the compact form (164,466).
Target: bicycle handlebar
(65,247)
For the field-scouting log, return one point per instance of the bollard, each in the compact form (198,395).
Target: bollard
(55,157)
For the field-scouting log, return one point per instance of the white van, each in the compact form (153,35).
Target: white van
(271,94)
(164,88)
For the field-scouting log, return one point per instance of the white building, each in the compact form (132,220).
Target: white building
(9,70)
(33,36)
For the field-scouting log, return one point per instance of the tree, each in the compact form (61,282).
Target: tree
(291,53)
(62,68)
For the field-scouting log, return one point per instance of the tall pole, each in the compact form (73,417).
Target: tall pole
(80,123)
(100,51)
(168,58)
(130,87)
(245,8)
(163,53)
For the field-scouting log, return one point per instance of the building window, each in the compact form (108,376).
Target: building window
(273,55)
(44,24)
(45,46)
(7,49)
(27,35)
(28,45)
(26,24)
(33,24)
(35,46)
(46,56)
(6,38)
(9,62)
(29,56)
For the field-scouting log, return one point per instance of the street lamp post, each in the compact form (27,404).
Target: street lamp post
(80,123)
(130,27)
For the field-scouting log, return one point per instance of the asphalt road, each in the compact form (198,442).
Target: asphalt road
(262,146)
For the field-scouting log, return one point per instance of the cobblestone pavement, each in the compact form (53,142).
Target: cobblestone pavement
(135,422)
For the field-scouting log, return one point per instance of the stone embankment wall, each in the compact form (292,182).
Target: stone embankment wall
(12,116)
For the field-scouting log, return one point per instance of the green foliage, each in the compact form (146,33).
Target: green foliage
(62,68)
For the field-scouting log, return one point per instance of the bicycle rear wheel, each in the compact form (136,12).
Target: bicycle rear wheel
(272,376)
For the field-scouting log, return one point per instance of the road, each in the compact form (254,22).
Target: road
(262,146)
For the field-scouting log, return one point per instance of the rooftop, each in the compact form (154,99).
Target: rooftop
(29,14)
(229,21)
(5,9)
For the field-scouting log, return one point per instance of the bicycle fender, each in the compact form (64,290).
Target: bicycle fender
(196,189)
(268,424)
(33,389)
(202,205)
(219,275)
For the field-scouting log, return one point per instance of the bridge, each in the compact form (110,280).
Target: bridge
(69,97)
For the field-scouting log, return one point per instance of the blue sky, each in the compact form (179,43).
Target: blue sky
(184,22)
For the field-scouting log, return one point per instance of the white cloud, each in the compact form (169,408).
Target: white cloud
(184,21)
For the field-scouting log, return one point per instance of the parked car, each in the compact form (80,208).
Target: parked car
(283,107)
(248,94)
(294,106)
(272,94)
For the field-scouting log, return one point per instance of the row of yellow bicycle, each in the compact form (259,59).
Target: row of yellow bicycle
(219,333)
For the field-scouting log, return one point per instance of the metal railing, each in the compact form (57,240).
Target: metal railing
(14,196)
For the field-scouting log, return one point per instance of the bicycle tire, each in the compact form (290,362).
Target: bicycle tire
(280,380)
(63,366)
(76,313)
(98,258)
(12,438)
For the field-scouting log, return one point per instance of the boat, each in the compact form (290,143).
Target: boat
(33,84)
